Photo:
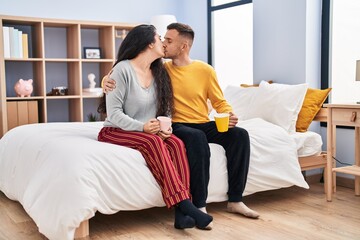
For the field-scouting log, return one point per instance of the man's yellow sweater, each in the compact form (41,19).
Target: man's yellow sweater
(193,84)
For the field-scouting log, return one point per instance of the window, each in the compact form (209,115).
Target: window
(231,41)
(345,50)
(221,2)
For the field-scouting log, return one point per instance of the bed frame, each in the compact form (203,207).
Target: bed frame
(306,163)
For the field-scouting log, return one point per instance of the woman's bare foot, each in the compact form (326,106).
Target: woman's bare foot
(240,207)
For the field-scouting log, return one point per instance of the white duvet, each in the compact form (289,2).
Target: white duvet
(62,175)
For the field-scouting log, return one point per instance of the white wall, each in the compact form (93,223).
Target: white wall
(105,10)
(313,43)
(194,13)
(287,50)
(134,11)
(287,41)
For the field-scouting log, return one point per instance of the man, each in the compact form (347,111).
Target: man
(194,82)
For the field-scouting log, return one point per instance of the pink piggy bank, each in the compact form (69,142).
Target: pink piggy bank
(23,88)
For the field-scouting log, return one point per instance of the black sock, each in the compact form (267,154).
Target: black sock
(202,219)
(182,221)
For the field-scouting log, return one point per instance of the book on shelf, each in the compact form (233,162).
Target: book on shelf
(25,45)
(11,41)
(16,43)
(6,42)
(20,44)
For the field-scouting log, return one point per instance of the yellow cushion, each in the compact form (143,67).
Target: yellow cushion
(312,104)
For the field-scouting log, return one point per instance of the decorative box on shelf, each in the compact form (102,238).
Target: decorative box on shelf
(22,112)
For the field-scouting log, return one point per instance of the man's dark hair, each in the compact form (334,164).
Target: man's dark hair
(183,29)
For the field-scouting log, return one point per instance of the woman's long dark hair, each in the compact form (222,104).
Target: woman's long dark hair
(136,41)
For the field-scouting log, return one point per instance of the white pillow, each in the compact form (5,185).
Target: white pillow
(277,103)
(240,99)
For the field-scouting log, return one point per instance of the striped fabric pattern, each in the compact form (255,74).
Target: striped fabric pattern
(166,160)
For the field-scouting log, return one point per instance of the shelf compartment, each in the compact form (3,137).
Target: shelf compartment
(119,35)
(64,110)
(29,70)
(63,74)
(98,37)
(90,106)
(34,32)
(62,41)
(100,69)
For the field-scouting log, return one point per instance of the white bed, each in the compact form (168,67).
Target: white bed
(307,143)
(62,175)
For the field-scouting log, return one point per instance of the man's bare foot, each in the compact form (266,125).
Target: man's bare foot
(240,207)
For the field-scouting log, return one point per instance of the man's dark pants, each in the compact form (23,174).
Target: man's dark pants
(236,143)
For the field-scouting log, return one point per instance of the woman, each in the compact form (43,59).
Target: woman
(143,92)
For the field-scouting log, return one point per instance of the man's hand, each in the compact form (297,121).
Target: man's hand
(233,120)
(107,83)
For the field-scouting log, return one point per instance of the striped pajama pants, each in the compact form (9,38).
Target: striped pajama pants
(166,160)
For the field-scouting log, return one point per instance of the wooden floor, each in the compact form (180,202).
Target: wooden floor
(291,213)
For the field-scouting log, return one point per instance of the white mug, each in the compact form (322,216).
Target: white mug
(165,123)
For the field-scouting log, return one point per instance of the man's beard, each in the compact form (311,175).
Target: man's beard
(166,56)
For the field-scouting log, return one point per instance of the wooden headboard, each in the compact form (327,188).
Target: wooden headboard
(321,116)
